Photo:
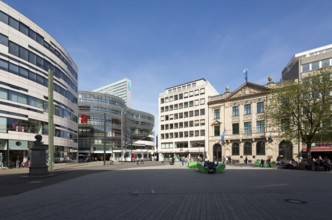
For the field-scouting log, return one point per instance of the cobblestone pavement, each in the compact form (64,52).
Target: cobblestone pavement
(161,191)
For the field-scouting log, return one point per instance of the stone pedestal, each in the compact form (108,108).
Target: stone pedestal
(38,167)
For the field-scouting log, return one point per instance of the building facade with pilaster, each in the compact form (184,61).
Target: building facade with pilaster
(238,128)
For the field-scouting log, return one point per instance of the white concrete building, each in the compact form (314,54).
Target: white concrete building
(121,88)
(183,120)
(27,52)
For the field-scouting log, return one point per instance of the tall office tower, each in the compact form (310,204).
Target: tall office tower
(121,88)
(27,52)
(307,61)
(183,120)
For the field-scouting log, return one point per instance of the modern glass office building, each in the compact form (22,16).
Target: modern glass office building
(27,52)
(106,123)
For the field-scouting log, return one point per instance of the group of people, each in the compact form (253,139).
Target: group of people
(268,162)
(319,162)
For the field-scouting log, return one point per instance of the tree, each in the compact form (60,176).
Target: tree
(302,109)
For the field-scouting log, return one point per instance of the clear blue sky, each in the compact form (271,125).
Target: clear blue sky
(158,44)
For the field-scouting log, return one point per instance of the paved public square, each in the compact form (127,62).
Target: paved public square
(160,191)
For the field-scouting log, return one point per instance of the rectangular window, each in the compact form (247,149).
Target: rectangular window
(305,67)
(191,123)
(166,99)
(315,65)
(32,58)
(3,65)
(196,92)
(203,111)
(13,49)
(247,128)
(176,107)
(191,94)
(197,133)
(181,106)
(162,100)
(162,109)
(13,23)
(191,103)
(24,54)
(202,122)
(3,17)
(3,94)
(185,124)
(32,34)
(236,129)
(186,114)
(39,39)
(22,98)
(235,111)
(191,114)
(217,130)
(202,101)
(202,132)
(325,63)
(260,107)
(3,40)
(260,126)
(32,76)
(196,123)
(196,112)
(216,113)
(13,68)
(185,95)
(40,62)
(180,96)
(247,109)
(196,102)
(24,29)
(24,72)
(202,91)
(186,105)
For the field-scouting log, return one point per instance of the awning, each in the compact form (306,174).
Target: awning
(318,149)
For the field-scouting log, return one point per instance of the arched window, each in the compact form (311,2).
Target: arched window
(260,148)
(247,149)
(235,149)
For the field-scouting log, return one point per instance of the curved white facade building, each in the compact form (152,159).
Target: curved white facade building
(27,52)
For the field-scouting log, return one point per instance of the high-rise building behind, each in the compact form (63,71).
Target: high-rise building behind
(305,62)
(121,88)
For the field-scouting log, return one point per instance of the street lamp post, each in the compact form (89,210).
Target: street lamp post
(50,121)
(104,139)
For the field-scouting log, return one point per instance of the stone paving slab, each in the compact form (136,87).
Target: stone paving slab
(177,193)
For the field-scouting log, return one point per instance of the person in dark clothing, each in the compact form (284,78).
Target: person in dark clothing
(211,167)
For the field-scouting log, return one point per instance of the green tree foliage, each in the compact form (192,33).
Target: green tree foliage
(302,109)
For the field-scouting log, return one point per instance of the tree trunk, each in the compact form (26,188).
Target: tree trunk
(309,151)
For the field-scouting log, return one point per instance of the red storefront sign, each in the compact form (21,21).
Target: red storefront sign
(84,119)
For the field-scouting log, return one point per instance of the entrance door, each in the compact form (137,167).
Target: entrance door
(217,152)
(286,150)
